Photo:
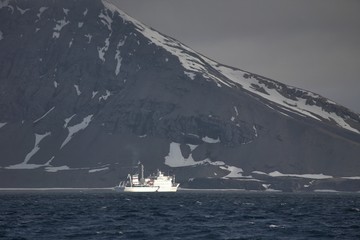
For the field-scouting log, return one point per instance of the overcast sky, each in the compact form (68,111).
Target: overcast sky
(310,44)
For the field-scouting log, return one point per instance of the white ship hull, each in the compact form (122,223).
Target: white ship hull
(147,189)
(154,183)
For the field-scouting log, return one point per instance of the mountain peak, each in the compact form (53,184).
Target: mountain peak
(87,91)
(289,99)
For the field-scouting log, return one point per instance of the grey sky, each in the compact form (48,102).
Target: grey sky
(310,44)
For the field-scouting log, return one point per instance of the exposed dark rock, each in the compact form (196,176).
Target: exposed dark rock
(86,93)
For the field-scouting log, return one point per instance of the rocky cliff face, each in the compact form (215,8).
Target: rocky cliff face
(86,92)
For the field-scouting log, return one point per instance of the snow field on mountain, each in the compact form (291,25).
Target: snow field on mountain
(176,159)
(76,128)
(189,62)
(24,164)
(195,63)
(299,106)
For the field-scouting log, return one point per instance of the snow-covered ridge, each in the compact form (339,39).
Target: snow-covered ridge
(187,57)
(298,101)
(295,104)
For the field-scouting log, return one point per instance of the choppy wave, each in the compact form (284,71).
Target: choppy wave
(190,215)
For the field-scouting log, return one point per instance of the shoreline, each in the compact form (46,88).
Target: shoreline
(181,190)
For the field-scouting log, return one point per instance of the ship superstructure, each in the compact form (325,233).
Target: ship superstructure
(158,182)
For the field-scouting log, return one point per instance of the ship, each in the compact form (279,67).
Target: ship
(158,182)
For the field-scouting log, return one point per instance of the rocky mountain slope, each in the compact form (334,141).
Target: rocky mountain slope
(86,92)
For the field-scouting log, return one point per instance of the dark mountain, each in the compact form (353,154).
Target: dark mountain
(86,92)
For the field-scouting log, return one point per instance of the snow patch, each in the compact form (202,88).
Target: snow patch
(192,134)
(255,131)
(24,164)
(94,94)
(236,114)
(191,75)
(258,172)
(272,190)
(85,12)
(311,176)
(192,147)
(56,169)
(59,25)
(80,24)
(353,178)
(71,42)
(89,37)
(66,11)
(236,111)
(1,35)
(78,92)
(50,160)
(41,10)
(118,62)
(235,172)
(106,19)
(56,84)
(76,128)
(105,97)
(22,11)
(326,191)
(67,120)
(98,169)
(210,140)
(37,120)
(2,124)
(176,159)
(118,57)
(103,50)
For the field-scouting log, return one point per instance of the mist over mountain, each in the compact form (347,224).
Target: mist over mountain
(86,92)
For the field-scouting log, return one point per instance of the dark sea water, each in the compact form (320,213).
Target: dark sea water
(181,215)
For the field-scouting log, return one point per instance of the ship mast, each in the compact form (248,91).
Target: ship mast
(141,177)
